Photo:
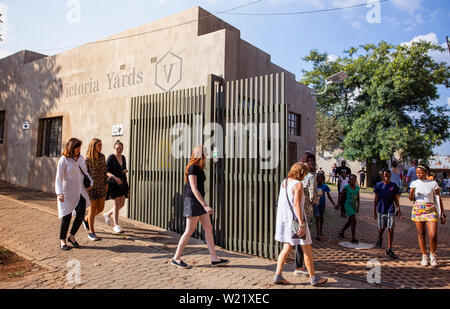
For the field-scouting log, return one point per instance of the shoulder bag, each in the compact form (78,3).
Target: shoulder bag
(295,223)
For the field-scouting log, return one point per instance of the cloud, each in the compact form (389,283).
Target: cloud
(5,53)
(409,5)
(5,27)
(433,38)
(332,58)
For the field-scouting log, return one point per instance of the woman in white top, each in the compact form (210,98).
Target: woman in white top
(284,228)
(424,194)
(342,182)
(72,194)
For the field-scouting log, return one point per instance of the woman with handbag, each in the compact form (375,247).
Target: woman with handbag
(96,166)
(118,186)
(425,213)
(196,209)
(291,226)
(72,180)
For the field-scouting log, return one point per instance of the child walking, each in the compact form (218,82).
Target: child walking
(319,210)
(351,207)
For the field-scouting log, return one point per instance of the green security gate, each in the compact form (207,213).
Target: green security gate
(249,139)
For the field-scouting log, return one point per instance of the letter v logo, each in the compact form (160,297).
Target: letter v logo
(170,71)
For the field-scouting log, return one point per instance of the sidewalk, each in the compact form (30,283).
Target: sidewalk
(139,259)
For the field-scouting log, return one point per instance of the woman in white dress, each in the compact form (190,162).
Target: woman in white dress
(72,194)
(294,202)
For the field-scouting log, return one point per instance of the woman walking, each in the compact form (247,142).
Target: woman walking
(195,208)
(351,207)
(425,193)
(291,206)
(118,190)
(71,191)
(96,166)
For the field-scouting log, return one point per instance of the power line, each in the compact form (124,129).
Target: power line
(229,11)
(306,12)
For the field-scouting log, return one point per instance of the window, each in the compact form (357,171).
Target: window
(50,137)
(2,125)
(295,124)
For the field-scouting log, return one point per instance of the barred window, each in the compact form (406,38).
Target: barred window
(2,125)
(295,124)
(50,137)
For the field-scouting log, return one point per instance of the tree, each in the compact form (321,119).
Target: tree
(386,104)
(328,132)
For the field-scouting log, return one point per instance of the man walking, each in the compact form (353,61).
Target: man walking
(385,207)
(411,176)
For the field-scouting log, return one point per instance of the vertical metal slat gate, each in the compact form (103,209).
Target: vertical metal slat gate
(242,192)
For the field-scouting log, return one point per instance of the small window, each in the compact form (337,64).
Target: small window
(50,137)
(295,124)
(2,125)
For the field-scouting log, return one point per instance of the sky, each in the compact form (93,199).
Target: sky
(53,26)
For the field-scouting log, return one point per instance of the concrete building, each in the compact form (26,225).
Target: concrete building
(85,92)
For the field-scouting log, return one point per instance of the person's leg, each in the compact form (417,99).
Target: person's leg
(353,224)
(119,202)
(321,226)
(205,220)
(81,211)
(65,223)
(421,236)
(347,225)
(318,227)
(307,252)
(91,215)
(282,258)
(100,206)
(299,259)
(191,225)
(432,234)
(390,238)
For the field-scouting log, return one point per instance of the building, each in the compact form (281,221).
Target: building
(86,92)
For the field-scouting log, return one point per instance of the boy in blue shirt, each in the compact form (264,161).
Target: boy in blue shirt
(319,210)
(385,207)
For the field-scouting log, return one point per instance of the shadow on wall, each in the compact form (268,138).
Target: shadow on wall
(29,91)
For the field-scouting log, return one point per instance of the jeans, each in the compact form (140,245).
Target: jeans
(299,258)
(65,222)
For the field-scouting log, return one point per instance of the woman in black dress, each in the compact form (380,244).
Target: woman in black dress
(118,185)
(195,209)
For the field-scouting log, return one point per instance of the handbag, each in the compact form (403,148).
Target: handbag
(295,223)
(86,180)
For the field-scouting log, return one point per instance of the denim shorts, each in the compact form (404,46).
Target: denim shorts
(386,221)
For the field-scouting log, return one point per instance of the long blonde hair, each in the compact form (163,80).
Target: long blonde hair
(91,151)
(198,158)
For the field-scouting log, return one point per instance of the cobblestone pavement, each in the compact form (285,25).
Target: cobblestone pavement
(139,259)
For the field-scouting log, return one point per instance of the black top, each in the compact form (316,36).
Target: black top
(342,168)
(197,171)
(113,166)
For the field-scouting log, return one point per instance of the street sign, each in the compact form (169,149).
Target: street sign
(117,130)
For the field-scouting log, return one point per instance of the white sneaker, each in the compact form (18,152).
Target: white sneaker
(107,219)
(117,229)
(424,260)
(433,261)
(299,273)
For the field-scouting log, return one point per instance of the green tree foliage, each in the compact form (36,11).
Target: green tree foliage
(328,133)
(386,104)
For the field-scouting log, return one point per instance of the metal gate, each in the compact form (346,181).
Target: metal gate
(242,180)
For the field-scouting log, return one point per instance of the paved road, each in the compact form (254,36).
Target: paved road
(140,258)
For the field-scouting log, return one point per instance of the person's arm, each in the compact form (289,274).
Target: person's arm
(298,194)
(375,204)
(193,182)
(125,170)
(412,194)
(357,203)
(331,199)
(59,180)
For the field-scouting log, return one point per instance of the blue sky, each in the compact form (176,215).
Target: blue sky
(45,26)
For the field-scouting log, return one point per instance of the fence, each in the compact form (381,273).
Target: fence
(242,191)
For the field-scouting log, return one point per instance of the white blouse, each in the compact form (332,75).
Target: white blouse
(69,181)
(424,190)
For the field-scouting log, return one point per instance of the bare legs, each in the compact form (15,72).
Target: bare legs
(307,253)
(119,202)
(421,236)
(191,224)
(96,208)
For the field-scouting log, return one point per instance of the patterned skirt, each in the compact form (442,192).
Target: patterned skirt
(423,212)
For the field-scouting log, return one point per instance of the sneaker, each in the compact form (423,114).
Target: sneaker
(433,261)
(354,241)
(316,280)
(424,260)
(391,254)
(86,225)
(299,272)
(379,243)
(220,263)
(182,264)
(93,237)
(107,219)
(341,235)
(278,279)
(117,229)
